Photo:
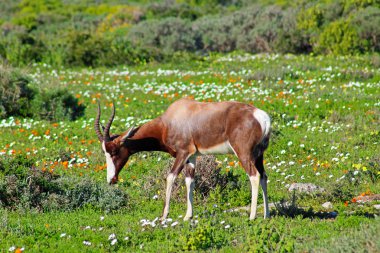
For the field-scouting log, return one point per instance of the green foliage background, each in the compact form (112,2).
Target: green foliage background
(106,33)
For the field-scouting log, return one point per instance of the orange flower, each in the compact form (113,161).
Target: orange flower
(65,164)
(18,250)
(353,200)
(346,203)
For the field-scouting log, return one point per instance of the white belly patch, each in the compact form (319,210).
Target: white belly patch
(222,148)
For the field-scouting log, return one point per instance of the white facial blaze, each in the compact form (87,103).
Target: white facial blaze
(111,170)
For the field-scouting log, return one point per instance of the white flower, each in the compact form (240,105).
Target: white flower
(155,197)
(282,152)
(356,172)
(111,237)
(101,218)
(126,238)
(63,235)
(87,243)
(174,223)
(222,222)
(12,248)
(114,241)
(290,143)
(227,226)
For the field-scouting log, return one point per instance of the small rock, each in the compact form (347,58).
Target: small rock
(327,205)
(305,187)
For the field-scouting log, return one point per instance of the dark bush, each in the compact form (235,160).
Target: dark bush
(208,179)
(15,92)
(18,98)
(366,22)
(24,186)
(58,105)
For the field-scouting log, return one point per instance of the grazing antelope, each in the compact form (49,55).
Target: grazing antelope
(187,129)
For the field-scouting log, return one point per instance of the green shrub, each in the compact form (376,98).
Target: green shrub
(18,98)
(339,38)
(201,238)
(21,48)
(170,35)
(15,92)
(366,23)
(58,105)
(166,9)
(24,186)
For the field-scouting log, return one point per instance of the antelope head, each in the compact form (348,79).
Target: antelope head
(115,147)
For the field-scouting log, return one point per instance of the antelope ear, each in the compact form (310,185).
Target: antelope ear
(128,135)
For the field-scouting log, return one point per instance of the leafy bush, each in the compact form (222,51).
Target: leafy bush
(340,38)
(18,98)
(208,178)
(58,105)
(201,238)
(170,35)
(365,22)
(166,9)
(24,186)
(15,92)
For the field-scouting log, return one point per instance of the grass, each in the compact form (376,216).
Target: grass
(325,113)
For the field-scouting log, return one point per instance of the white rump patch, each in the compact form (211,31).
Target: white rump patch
(110,165)
(264,120)
(222,148)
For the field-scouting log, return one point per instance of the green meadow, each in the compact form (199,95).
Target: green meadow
(325,113)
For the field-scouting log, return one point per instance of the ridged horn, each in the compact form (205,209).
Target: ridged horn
(97,127)
(107,137)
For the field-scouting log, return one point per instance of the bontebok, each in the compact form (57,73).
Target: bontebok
(188,129)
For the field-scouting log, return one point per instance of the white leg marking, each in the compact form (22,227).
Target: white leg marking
(169,185)
(189,189)
(110,165)
(263,182)
(255,181)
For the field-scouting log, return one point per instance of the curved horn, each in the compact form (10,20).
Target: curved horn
(108,126)
(97,127)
